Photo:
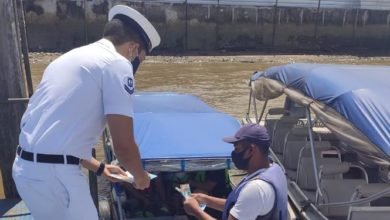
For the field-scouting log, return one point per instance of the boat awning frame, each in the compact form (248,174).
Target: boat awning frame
(265,88)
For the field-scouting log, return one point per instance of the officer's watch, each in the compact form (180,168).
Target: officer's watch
(100,169)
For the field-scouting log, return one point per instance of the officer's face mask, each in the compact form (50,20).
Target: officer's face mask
(135,62)
(238,159)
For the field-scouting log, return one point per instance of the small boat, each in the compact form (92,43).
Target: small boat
(332,136)
(175,133)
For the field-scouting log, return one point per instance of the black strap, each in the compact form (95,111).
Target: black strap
(47,158)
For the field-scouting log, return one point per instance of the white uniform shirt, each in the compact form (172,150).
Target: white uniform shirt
(66,114)
(256,198)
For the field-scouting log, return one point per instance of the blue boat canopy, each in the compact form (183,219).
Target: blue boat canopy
(351,100)
(180,127)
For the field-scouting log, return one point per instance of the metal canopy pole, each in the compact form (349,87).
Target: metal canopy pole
(262,111)
(254,107)
(249,106)
(309,127)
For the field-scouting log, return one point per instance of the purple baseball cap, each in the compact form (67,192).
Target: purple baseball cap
(253,132)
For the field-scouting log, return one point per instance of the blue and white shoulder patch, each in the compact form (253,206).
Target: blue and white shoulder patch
(129,84)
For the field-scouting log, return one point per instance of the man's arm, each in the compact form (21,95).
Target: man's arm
(210,201)
(191,206)
(125,148)
(93,165)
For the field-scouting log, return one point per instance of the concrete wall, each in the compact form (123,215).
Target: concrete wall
(59,25)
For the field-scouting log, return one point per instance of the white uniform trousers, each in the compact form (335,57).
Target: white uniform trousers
(54,191)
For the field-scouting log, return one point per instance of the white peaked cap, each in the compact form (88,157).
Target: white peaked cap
(149,33)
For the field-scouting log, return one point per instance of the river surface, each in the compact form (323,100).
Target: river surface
(220,81)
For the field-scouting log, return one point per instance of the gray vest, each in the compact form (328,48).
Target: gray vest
(276,178)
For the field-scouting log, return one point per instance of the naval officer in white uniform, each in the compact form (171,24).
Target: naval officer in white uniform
(80,92)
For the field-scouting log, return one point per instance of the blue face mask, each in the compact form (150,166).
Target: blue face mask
(136,62)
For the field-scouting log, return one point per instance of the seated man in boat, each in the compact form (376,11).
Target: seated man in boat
(262,194)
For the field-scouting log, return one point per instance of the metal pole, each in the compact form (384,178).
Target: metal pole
(249,106)
(309,127)
(262,111)
(254,107)
(24,44)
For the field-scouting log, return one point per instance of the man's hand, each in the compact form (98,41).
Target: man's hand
(200,197)
(142,182)
(112,169)
(191,206)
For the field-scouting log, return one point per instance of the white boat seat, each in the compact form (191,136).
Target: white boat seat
(371,213)
(282,127)
(338,190)
(305,169)
(291,156)
(334,169)
(305,174)
(297,134)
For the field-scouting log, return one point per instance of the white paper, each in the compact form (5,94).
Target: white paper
(129,178)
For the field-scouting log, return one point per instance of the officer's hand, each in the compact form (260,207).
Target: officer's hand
(191,206)
(142,182)
(112,169)
(200,197)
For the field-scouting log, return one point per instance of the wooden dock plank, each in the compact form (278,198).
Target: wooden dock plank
(14,209)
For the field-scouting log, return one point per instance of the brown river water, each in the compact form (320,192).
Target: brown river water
(220,81)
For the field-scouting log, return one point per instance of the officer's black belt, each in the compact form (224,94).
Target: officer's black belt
(47,158)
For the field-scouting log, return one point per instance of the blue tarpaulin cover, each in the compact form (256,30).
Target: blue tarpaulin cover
(180,126)
(361,94)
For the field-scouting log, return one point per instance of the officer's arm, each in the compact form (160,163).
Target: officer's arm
(125,148)
(92,165)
